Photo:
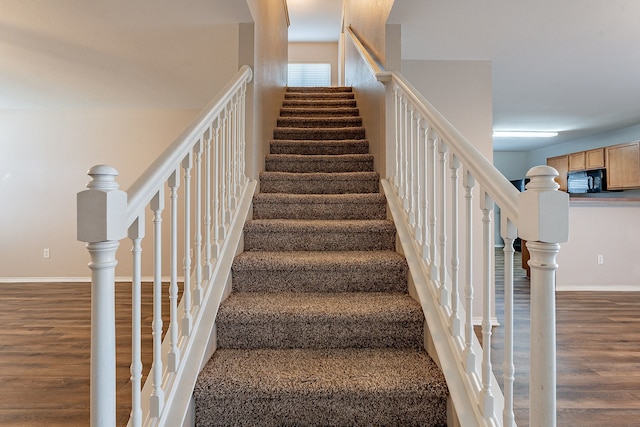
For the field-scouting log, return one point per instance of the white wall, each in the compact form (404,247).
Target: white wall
(512,164)
(46,152)
(610,230)
(270,79)
(45,156)
(316,52)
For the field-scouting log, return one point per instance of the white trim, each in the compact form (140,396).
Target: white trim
(581,287)
(75,279)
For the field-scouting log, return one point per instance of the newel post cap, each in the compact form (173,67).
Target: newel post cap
(543,210)
(102,207)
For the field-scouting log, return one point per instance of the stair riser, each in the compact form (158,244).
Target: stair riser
(302,165)
(314,122)
(307,89)
(319,186)
(319,147)
(333,211)
(316,112)
(319,241)
(318,95)
(259,332)
(319,103)
(354,280)
(319,133)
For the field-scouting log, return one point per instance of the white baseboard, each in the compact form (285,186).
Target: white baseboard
(75,279)
(581,287)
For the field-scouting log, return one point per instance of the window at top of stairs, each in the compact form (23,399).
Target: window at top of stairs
(309,74)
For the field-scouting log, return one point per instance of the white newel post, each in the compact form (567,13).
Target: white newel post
(544,224)
(101,215)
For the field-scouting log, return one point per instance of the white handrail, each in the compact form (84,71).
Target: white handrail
(106,215)
(424,144)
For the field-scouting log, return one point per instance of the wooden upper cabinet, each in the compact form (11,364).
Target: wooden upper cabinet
(577,161)
(561,164)
(623,166)
(595,159)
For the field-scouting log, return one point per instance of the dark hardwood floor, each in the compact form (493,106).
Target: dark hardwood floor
(598,353)
(45,344)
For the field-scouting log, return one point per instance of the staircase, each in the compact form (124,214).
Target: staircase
(319,328)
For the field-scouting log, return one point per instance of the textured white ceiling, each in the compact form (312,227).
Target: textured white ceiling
(570,66)
(314,20)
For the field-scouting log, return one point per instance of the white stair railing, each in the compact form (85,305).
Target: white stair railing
(215,205)
(430,167)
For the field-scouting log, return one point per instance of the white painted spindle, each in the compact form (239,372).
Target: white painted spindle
(509,233)
(198,291)
(426,255)
(173,358)
(208,262)
(431,191)
(157,395)
(187,318)
(136,234)
(469,182)
(454,165)
(444,291)
(486,395)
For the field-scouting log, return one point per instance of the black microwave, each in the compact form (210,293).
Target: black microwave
(592,181)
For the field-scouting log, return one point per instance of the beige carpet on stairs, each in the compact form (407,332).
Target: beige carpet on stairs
(319,329)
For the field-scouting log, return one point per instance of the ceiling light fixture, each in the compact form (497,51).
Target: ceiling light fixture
(523,134)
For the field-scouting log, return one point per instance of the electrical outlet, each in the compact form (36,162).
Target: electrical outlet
(600,259)
(46,254)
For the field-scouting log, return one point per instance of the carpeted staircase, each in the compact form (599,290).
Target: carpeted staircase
(319,329)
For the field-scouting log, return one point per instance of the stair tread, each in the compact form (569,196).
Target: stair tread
(322,157)
(319,260)
(313,176)
(260,307)
(352,198)
(268,373)
(322,112)
(319,122)
(319,225)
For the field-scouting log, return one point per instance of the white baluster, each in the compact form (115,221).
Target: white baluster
(102,230)
(396,171)
(157,394)
(198,292)
(426,254)
(136,234)
(224,201)
(406,139)
(187,319)
(456,330)
(469,183)
(173,358)
(208,266)
(229,161)
(401,146)
(243,136)
(216,186)
(419,179)
(412,170)
(444,291)
(509,233)
(433,147)
(543,233)
(486,396)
